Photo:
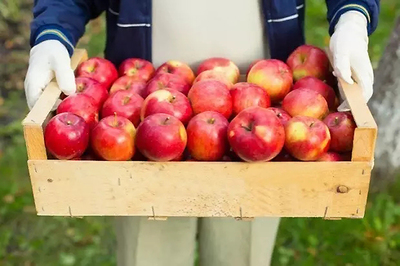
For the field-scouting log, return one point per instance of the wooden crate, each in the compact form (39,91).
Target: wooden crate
(241,190)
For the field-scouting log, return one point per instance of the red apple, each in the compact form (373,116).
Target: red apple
(137,67)
(251,66)
(177,68)
(124,103)
(215,75)
(307,138)
(245,95)
(92,88)
(66,136)
(82,105)
(274,76)
(211,95)
(308,60)
(167,81)
(170,102)
(161,137)
(131,84)
(113,139)
(256,134)
(220,64)
(207,136)
(319,86)
(99,69)
(341,126)
(305,102)
(283,116)
(330,157)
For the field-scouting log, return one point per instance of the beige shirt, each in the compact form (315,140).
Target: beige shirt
(191,31)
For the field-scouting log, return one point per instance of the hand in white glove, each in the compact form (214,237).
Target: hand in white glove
(48,59)
(349,48)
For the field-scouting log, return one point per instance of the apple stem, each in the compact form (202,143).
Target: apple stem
(69,122)
(249,127)
(211,120)
(126,100)
(312,123)
(336,120)
(166,120)
(115,119)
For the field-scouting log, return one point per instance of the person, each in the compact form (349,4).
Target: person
(191,31)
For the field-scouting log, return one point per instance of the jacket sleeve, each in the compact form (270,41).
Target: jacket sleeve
(63,20)
(370,9)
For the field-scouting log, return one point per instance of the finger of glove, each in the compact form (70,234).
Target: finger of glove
(36,80)
(64,75)
(342,68)
(363,74)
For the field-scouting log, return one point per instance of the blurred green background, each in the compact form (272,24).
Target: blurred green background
(26,239)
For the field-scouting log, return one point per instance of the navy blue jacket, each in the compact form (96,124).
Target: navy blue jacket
(129,23)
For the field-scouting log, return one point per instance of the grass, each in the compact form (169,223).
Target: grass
(26,239)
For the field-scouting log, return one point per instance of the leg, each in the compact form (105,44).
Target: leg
(155,243)
(225,241)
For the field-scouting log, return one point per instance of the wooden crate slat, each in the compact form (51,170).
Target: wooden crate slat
(288,189)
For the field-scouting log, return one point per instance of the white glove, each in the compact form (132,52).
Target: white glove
(349,48)
(48,59)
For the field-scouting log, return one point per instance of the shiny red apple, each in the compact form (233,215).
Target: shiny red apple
(256,134)
(274,76)
(113,139)
(124,103)
(161,137)
(319,86)
(207,136)
(99,69)
(342,127)
(178,68)
(211,95)
(66,136)
(245,95)
(81,105)
(308,60)
(138,68)
(167,101)
(92,88)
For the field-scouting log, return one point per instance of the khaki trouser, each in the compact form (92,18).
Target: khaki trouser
(222,241)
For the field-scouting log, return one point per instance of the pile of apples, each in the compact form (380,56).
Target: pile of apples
(280,111)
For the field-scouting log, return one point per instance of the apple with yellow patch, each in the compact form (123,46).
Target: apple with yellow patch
(306,138)
(305,102)
(178,68)
(167,101)
(161,137)
(256,134)
(308,60)
(274,76)
(113,139)
(207,138)
(224,65)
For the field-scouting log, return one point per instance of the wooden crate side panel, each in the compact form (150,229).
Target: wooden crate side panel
(289,189)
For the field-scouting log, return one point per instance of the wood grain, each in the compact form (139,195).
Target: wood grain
(213,189)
